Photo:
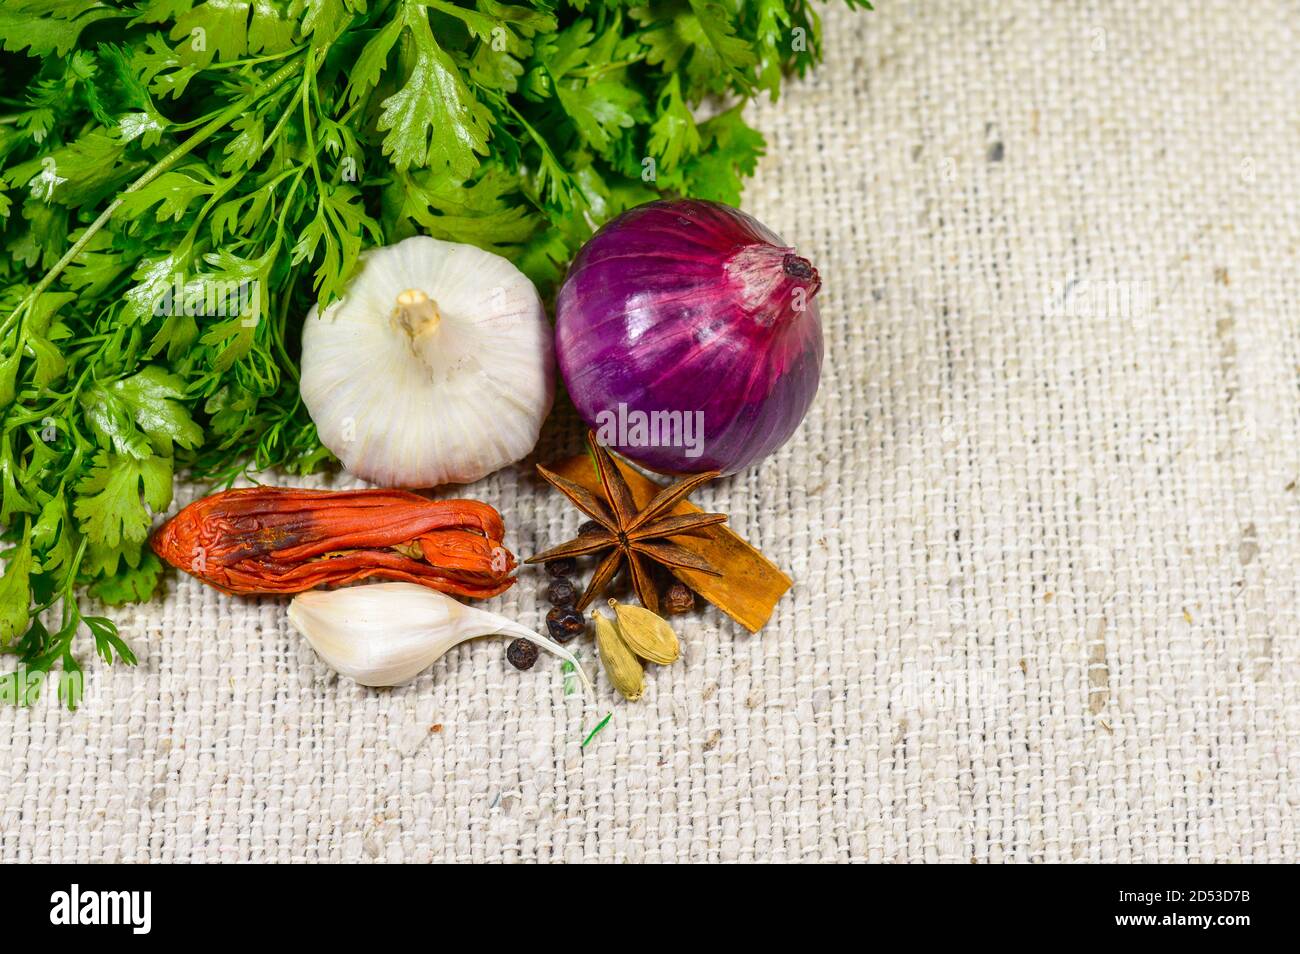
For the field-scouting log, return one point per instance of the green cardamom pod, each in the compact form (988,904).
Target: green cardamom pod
(647,634)
(622,668)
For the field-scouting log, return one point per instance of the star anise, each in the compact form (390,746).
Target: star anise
(630,534)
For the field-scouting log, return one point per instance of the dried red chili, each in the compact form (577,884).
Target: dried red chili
(283,540)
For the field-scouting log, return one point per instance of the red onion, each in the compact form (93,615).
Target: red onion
(688,337)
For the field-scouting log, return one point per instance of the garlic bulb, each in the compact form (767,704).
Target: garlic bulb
(384,634)
(436,366)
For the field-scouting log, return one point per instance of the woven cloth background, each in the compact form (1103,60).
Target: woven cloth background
(1044,520)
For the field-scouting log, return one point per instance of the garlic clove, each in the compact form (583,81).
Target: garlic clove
(385,634)
(355,641)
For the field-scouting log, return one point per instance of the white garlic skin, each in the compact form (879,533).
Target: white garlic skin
(408,397)
(385,634)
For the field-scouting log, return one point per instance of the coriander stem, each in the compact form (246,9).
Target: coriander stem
(275,130)
(306,125)
(269,57)
(600,725)
(222,119)
(278,331)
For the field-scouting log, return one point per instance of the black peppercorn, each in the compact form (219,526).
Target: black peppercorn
(565,622)
(564,566)
(678,599)
(522,654)
(561,592)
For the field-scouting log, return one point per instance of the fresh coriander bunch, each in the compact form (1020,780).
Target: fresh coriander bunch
(181,180)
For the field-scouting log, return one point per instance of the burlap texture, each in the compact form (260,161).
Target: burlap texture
(1043,518)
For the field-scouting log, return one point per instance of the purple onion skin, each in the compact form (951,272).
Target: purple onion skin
(686,305)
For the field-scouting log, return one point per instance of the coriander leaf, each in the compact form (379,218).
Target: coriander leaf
(479,25)
(673,134)
(231,341)
(157,281)
(15,593)
(153,398)
(773,23)
(100,561)
(503,32)
(721,51)
(495,69)
(433,119)
(141,416)
(173,191)
(525,21)
(44,307)
(543,258)
(21,28)
(9,377)
(107,640)
(701,35)
(160,11)
(146,126)
(600,110)
(177,335)
(160,68)
(129,584)
(47,358)
(369,66)
(46,236)
(224,219)
(456,211)
(81,172)
(12,499)
(224,29)
(337,229)
(566,50)
(111,499)
(139,118)
(50,536)
(663,34)
(730,152)
(323,20)
(96,267)
(242,151)
(111,423)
